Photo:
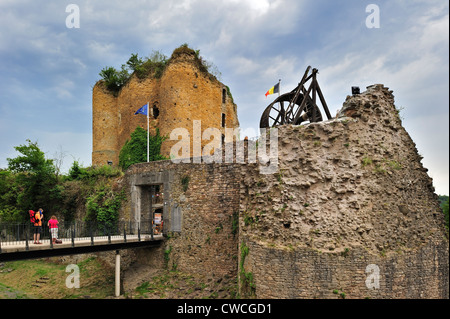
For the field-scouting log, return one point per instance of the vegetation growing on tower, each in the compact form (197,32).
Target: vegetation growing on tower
(153,66)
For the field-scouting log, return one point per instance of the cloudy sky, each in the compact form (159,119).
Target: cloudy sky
(47,70)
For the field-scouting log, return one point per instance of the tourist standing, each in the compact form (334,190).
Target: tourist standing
(53,226)
(38,226)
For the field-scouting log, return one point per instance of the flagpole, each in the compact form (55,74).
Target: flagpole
(279,87)
(148,134)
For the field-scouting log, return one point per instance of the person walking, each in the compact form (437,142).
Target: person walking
(39,216)
(53,226)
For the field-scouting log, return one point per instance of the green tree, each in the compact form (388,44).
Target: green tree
(33,182)
(32,160)
(135,150)
(76,172)
(9,192)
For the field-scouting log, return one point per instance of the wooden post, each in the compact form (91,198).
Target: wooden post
(302,105)
(324,104)
(314,84)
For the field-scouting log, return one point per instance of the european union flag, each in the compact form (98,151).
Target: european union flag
(142,110)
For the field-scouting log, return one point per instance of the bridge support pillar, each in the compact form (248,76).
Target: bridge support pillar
(117,290)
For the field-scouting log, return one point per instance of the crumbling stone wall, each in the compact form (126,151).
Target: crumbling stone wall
(207,197)
(182,95)
(353,186)
(349,213)
(105,123)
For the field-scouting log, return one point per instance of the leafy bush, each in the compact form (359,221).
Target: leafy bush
(153,65)
(114,79)
(78,172)
(103,206)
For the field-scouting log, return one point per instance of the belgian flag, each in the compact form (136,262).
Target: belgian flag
(274,89)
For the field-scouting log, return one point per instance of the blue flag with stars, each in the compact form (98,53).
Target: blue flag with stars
(142,110)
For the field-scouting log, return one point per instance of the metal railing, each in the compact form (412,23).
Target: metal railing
(23,233)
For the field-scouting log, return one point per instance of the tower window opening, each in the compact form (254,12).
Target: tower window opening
(224,95)
(223,119)
(155,111)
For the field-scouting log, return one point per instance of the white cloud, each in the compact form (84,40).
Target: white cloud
(64,88)
(106,50)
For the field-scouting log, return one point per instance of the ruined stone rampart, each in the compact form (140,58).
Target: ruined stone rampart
(349,193)
(350,212)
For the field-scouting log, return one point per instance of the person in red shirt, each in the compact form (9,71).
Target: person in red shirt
(53,226)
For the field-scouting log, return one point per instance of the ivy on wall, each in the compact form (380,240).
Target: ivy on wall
(103,206)
(135,150)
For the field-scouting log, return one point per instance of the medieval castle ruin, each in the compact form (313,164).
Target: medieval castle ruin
(184,93)
(350,210)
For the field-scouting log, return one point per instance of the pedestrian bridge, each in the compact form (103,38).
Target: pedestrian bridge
(16,240)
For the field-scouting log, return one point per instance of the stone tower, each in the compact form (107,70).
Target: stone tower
(351,212)
(184,93)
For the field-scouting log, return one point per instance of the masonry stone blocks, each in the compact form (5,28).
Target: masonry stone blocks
(182,94)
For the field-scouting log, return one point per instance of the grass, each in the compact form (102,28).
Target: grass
(366,161)
(7,292)
(379,169)
(46,279)
(394,165)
